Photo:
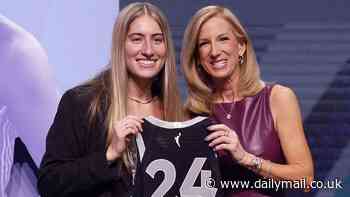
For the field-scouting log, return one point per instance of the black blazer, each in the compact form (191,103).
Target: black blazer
(74,163)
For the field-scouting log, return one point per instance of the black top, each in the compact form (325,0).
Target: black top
(74,163)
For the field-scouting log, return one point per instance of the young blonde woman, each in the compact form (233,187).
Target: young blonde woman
(90,147)
(259,132)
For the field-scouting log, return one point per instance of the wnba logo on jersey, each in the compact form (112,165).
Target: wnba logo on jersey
(177,140)
(174,160)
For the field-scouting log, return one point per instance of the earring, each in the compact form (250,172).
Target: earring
(241,60)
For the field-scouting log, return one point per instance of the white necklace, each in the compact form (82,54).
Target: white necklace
(137,100)
(227,115)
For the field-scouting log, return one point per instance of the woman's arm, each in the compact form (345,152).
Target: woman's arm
(288,123)
(65,170)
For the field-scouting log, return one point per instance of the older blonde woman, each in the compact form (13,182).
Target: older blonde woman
(90,147)
(259,131)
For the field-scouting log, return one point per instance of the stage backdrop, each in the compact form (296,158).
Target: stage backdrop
(46,47)
(304,45)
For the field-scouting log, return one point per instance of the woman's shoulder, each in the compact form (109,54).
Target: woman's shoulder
(78,97)
(281,92)
(282,95)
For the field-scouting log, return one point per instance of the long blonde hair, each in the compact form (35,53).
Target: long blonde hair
(111,85)
(199,99)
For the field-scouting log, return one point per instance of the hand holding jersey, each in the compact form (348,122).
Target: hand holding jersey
(225,141)
(222,138)
(122,132)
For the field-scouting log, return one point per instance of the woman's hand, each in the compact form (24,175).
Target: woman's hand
(224,138)
(123,130)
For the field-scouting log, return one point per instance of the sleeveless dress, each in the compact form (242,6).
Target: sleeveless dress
(251,119)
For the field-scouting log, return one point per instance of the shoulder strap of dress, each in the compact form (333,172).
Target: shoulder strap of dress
(268,87)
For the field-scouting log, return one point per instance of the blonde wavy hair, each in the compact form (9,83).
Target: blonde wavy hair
(199,100)
(110,86)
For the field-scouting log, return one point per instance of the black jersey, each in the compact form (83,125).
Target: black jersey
(175,160)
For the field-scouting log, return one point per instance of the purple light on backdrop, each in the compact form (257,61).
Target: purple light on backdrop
(28,100)
(76,36)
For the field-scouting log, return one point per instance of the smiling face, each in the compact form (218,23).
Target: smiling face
(219,48)
(145,48)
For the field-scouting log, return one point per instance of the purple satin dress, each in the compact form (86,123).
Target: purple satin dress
(252,120)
